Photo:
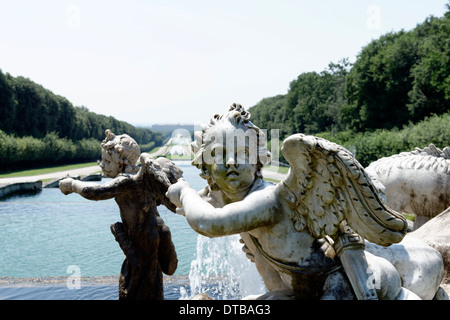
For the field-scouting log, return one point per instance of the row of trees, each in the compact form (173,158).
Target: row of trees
(29,152)
(399,79)
(312,104)
(28,109)
(39,128)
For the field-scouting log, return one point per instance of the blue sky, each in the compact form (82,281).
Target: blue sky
(148,62)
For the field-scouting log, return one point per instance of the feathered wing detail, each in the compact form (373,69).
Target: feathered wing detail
(330,188)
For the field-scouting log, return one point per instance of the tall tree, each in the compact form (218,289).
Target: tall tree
(401,77)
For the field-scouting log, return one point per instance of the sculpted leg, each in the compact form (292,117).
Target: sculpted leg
(337,287)
(419,266)
(405,294)
(125,244)
(384,278)
(387,280)
(167,255)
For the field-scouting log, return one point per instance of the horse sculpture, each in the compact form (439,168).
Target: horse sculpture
(416,182)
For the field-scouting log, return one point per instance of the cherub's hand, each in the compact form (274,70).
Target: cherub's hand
(65,185)
(153,167)
(174,193)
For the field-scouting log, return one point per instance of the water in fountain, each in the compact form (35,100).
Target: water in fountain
(222,271)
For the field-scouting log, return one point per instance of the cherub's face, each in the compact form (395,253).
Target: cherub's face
(233,167)
(110,167)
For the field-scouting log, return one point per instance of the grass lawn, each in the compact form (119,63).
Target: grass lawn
(34,172)
(279,169)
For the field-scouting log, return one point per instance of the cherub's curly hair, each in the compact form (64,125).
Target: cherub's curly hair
(238,117)
(123,149)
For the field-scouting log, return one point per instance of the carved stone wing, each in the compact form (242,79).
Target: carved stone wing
(331,187)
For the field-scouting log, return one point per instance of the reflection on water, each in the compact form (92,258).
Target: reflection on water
(98,292)
(173,290)
(93,288)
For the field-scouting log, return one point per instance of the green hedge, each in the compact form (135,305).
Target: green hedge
(28,152)
(370,146)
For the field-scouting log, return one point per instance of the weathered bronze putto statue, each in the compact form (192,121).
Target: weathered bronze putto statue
(142,235)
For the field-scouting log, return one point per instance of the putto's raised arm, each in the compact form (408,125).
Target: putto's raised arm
(94,191)
(257,210)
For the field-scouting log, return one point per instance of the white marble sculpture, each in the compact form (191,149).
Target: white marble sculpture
(436,233)
(416,182)
(321,233)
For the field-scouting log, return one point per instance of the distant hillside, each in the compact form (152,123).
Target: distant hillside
(40,128)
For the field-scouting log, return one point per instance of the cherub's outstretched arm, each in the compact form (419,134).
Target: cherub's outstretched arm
(94,191)
(257,210)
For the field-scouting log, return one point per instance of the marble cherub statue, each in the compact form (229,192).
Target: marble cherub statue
(310,235)
(142,235)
